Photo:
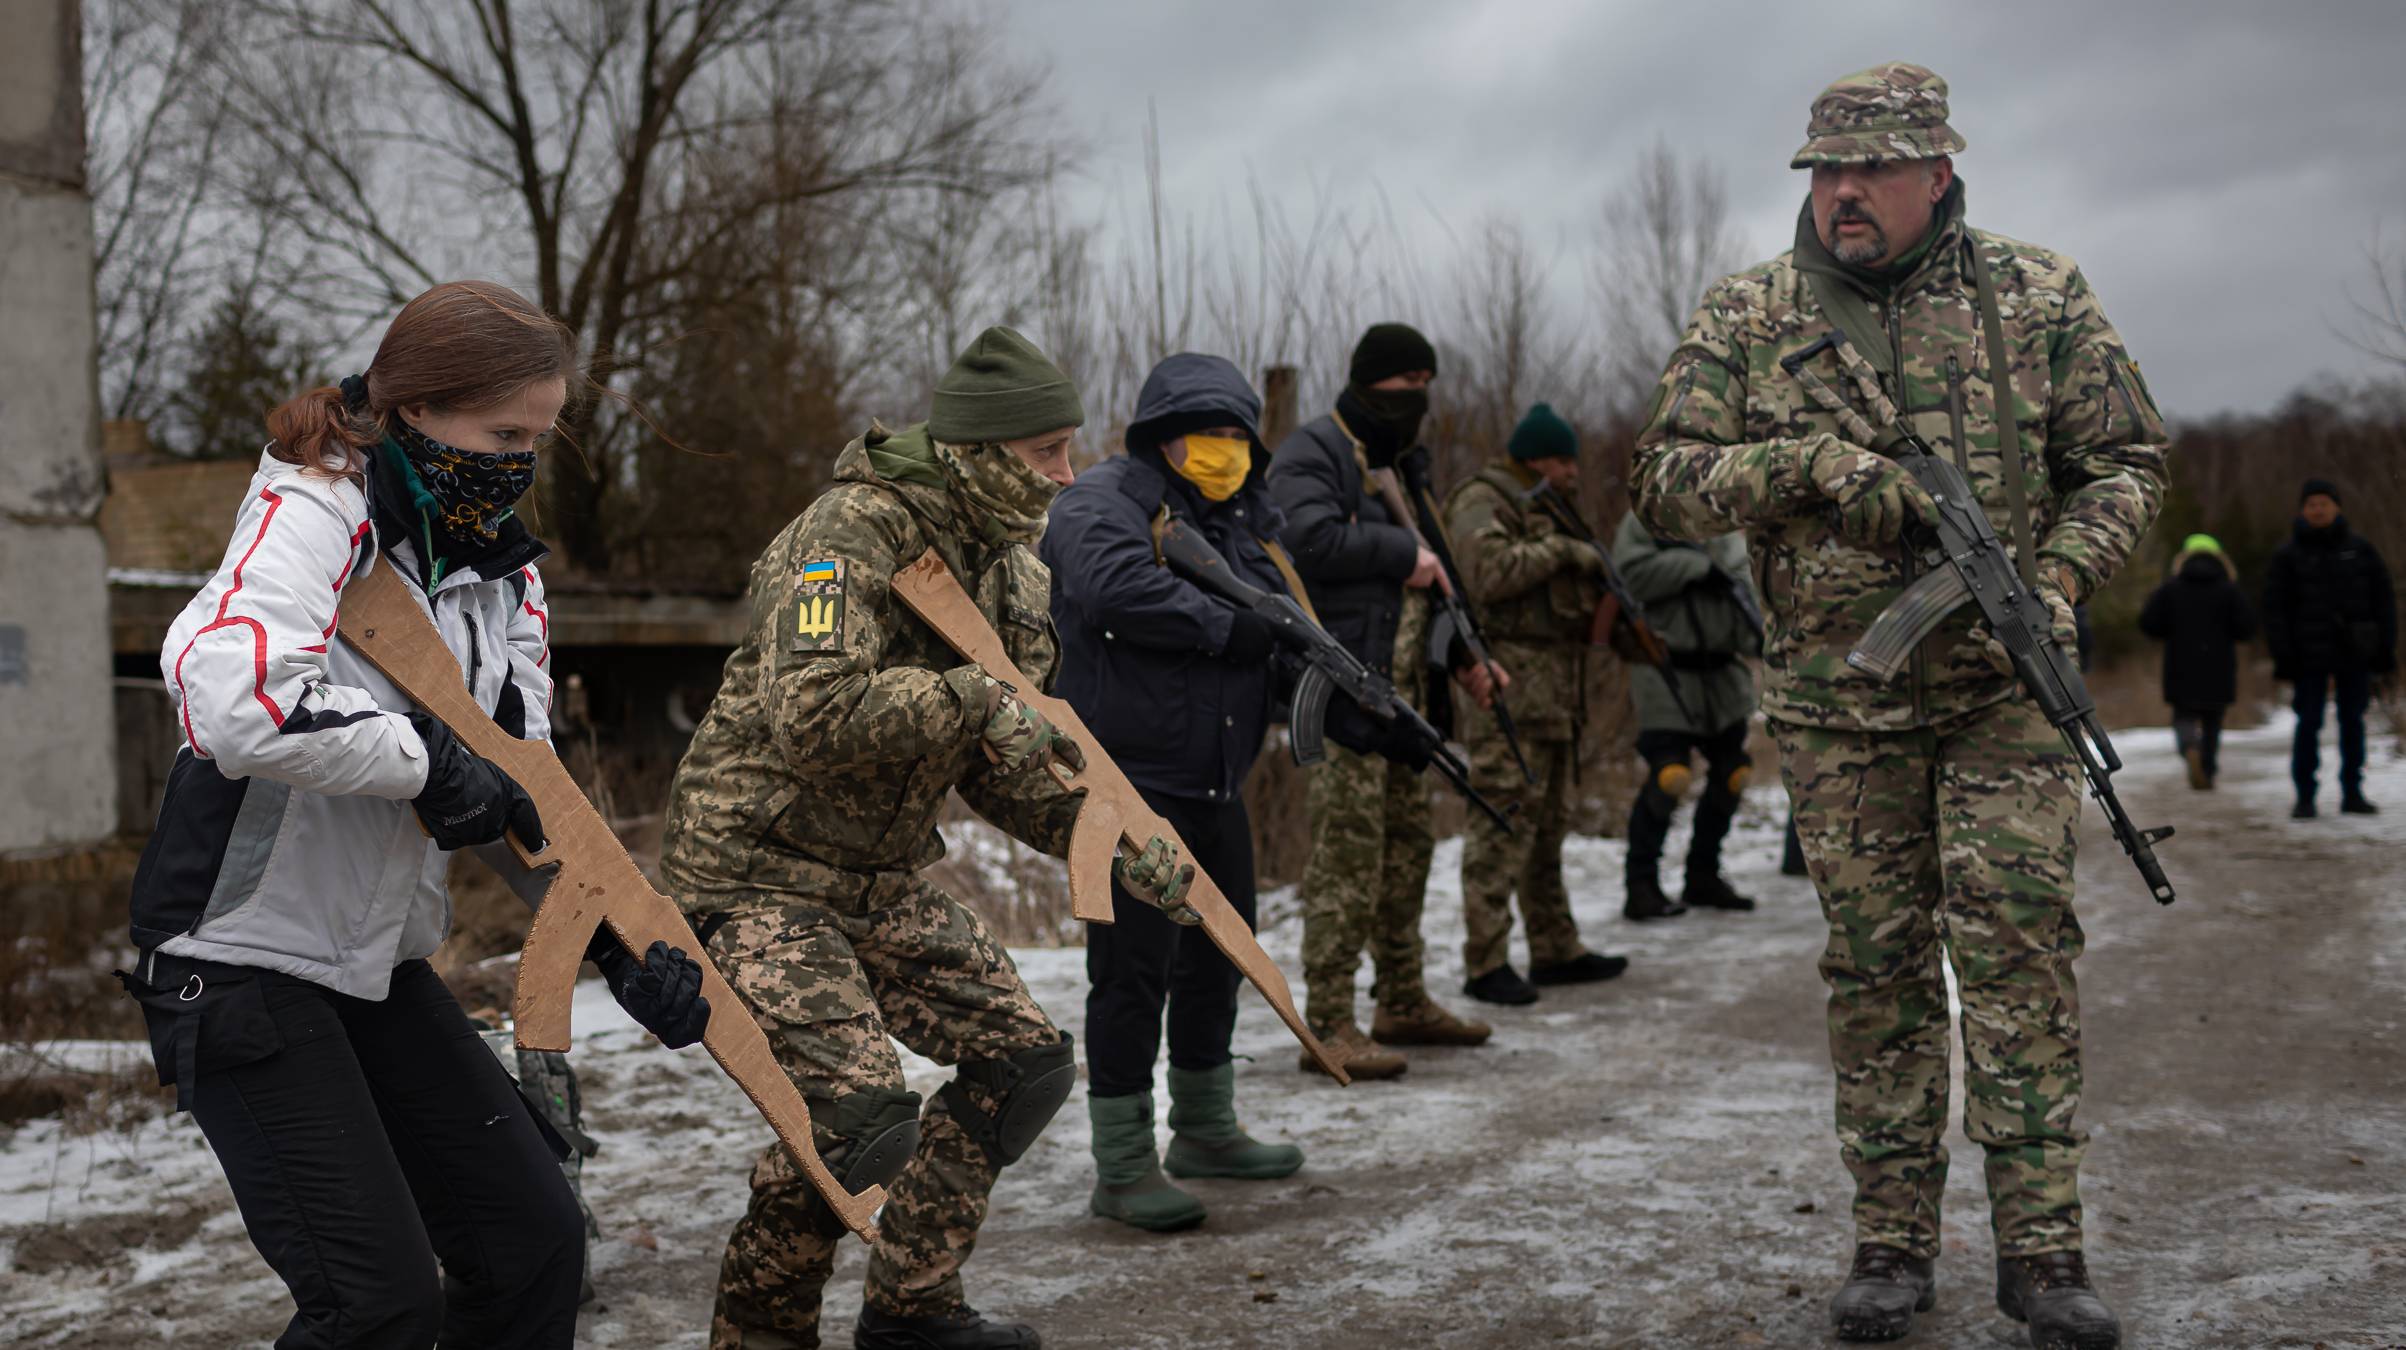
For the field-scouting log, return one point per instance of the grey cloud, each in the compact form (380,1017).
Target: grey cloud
(2216,168)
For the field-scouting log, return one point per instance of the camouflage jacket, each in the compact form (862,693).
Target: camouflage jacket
(1692,597)
(843,720)
(1725,445)
(1533,603)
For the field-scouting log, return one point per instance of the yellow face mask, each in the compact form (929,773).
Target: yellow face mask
(1217,465)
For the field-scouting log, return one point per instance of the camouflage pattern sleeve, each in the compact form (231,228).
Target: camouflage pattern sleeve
(833,702)
(1695,474)
(2106,446)
(1031,806)
(1504,553)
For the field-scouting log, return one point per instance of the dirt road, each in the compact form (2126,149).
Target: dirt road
(1645,1164)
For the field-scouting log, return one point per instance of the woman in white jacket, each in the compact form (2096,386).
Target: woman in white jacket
(293,888)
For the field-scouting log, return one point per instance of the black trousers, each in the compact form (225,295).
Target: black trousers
(366,1142)
(2200,729)
(1650,814)
(1141,962)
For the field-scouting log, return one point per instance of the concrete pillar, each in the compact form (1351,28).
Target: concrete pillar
(57,731)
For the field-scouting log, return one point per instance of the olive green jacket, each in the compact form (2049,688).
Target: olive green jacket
(1691,594)
(1531,595)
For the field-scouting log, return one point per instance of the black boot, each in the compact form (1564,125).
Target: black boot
(1713,892)
(2051,1292)
(2357,804)
(1646,900)
(1881,1294)
(1501,985)
(1585,968)
(963,1328)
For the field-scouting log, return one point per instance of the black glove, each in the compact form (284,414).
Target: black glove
(662,992)
(468,799)
(1403,746)
(1249,639)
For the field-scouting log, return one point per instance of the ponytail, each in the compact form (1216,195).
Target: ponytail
(320,431)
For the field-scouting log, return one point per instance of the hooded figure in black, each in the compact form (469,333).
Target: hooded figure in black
(1368,575)
(2201,617)
(2331,618)
(1179,686)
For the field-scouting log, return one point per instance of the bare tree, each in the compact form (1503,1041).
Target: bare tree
(2379,325)
(156,137)
(557,142)
(1664,236)
(1505,348)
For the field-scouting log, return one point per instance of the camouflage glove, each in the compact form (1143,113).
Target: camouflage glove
(2053,589)
(1017,735)
(1874,496)
(1574,555)
(1156,875)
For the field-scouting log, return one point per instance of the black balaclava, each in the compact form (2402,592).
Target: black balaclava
(1387,420)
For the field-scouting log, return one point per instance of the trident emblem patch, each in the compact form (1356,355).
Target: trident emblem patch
(819,606)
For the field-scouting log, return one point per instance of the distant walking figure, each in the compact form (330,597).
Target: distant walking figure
(2201,617)
(2331,618)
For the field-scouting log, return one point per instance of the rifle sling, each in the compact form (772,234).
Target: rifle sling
(2009,431)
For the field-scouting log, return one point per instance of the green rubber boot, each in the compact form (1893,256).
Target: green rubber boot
(1128,1184)
(1205,1139)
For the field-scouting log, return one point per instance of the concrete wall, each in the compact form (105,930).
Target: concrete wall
(57,728)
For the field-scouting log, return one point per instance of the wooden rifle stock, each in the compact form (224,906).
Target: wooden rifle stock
(592,880)
(1113,814)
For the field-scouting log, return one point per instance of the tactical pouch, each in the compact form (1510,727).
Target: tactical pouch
(207,1016)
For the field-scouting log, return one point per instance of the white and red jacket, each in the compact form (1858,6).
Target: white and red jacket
(286,838)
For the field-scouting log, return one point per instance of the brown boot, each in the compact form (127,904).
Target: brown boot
(1427,1023)
(1349,1047)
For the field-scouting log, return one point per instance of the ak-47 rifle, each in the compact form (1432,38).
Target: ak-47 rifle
(1620,619)
(1113,816)
(1449,588)
(1969,562)
(1327,666)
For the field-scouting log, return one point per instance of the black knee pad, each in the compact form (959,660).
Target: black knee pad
(1028,1087)
(876,1130)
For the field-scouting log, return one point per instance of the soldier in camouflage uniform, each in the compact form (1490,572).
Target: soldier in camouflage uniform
(1535,588)
(1938,814)
(805,810)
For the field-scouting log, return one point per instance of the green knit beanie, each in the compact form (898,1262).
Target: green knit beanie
(1543,435)
(1002,389)
(2201,543)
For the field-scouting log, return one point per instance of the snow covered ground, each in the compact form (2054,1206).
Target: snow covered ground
(1646,1163)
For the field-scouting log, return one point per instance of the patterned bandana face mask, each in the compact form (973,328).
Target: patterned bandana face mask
(1010,497)
(472,491)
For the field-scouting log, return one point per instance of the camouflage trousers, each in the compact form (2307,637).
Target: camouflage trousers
(1363,885)
(1528,861)
(831,981)
(1951,842)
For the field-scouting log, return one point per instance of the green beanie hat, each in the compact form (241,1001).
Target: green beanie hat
(1002,389)
(2201,543)
(1543,435)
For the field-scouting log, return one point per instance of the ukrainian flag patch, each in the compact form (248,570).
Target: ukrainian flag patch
(818,606)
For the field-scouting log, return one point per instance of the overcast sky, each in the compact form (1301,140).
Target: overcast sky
(2217,169)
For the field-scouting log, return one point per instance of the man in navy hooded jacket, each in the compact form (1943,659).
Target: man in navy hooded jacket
(1179,687)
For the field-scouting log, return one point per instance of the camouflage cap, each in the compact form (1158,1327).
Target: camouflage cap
(1896,110)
